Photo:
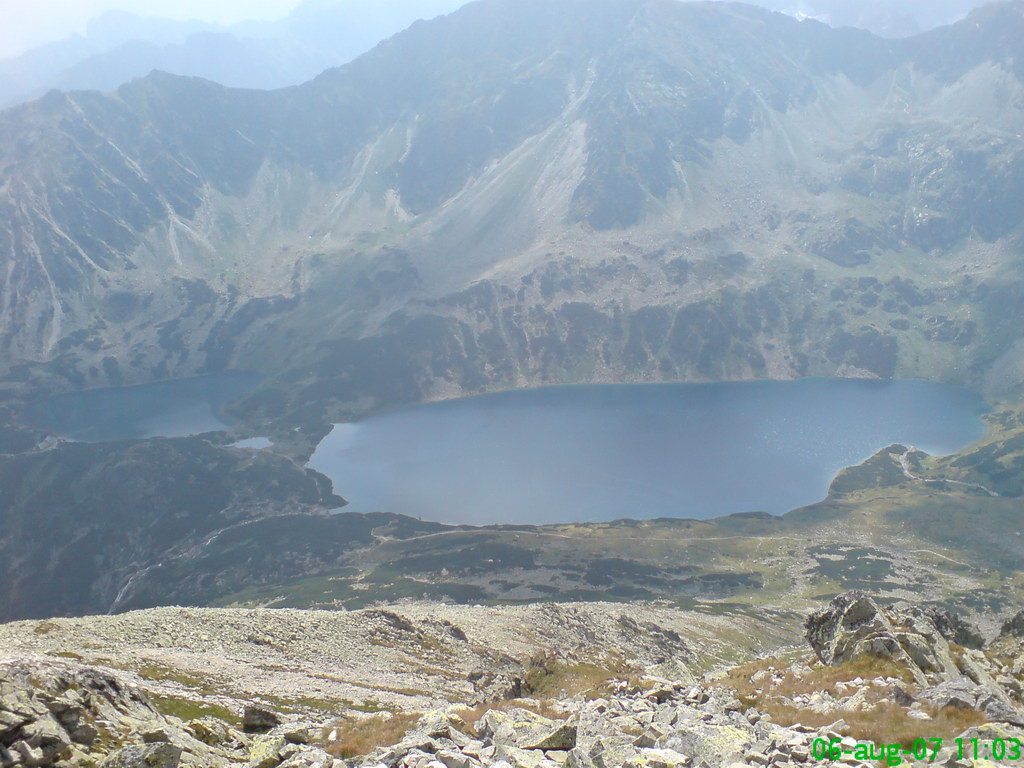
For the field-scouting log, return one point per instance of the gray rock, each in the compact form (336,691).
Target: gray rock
(964,693)
(521,758)
(453,759)
(26,754)
(145,756)
(496,685)
(658,758)
(953,627)
(84,734)
(297,734)
(609,752)
(307,757)
(853,625)
(259,720)
(1013,627)
(523,729)
(265,751)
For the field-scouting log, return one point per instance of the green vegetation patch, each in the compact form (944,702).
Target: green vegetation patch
(189,709)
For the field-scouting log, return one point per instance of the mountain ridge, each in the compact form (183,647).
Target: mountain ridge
(482,202)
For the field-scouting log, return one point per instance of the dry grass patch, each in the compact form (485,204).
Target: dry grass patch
(546,677)
(821,677)
(550,677)
(354,737)
(879,719)
(884,723)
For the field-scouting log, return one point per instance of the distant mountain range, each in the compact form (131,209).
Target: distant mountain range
(320,34)
(887,18)
(528,192)
(118,47)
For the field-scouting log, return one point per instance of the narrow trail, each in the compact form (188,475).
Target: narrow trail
(676,540)
(944,557)
(904,460)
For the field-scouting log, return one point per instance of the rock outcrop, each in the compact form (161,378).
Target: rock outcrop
(63,713)
(939,649)
(854,625)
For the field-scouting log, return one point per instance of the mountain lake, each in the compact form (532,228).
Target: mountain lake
(602,452)
(574,453)
(176,408)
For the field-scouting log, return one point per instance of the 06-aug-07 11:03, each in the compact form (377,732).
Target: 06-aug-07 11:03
(926,750)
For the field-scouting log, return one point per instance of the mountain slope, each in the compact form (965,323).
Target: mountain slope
(83,522)
(528,192)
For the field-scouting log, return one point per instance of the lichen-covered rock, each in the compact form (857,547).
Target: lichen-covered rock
(50,709)
(851,624)
(526,730)
(522,758)
(308,757)
(717,742)
(953,627)
(658,758)
(57,712)
(611,751)
(265,751)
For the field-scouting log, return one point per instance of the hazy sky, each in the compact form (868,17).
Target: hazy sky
(27,23)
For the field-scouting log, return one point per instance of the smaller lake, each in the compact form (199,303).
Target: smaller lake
(594,453)
(167,409)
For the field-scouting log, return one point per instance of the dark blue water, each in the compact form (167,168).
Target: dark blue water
(593,453)
(167,409)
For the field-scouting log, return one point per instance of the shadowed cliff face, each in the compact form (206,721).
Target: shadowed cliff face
(531,192)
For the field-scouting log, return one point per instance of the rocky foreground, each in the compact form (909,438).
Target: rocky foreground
(869,676)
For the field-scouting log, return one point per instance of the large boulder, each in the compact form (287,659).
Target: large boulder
(854,625)
(265,751)
(1013,627)
(524,729)
(966,694)
(258,720)
(658,758)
